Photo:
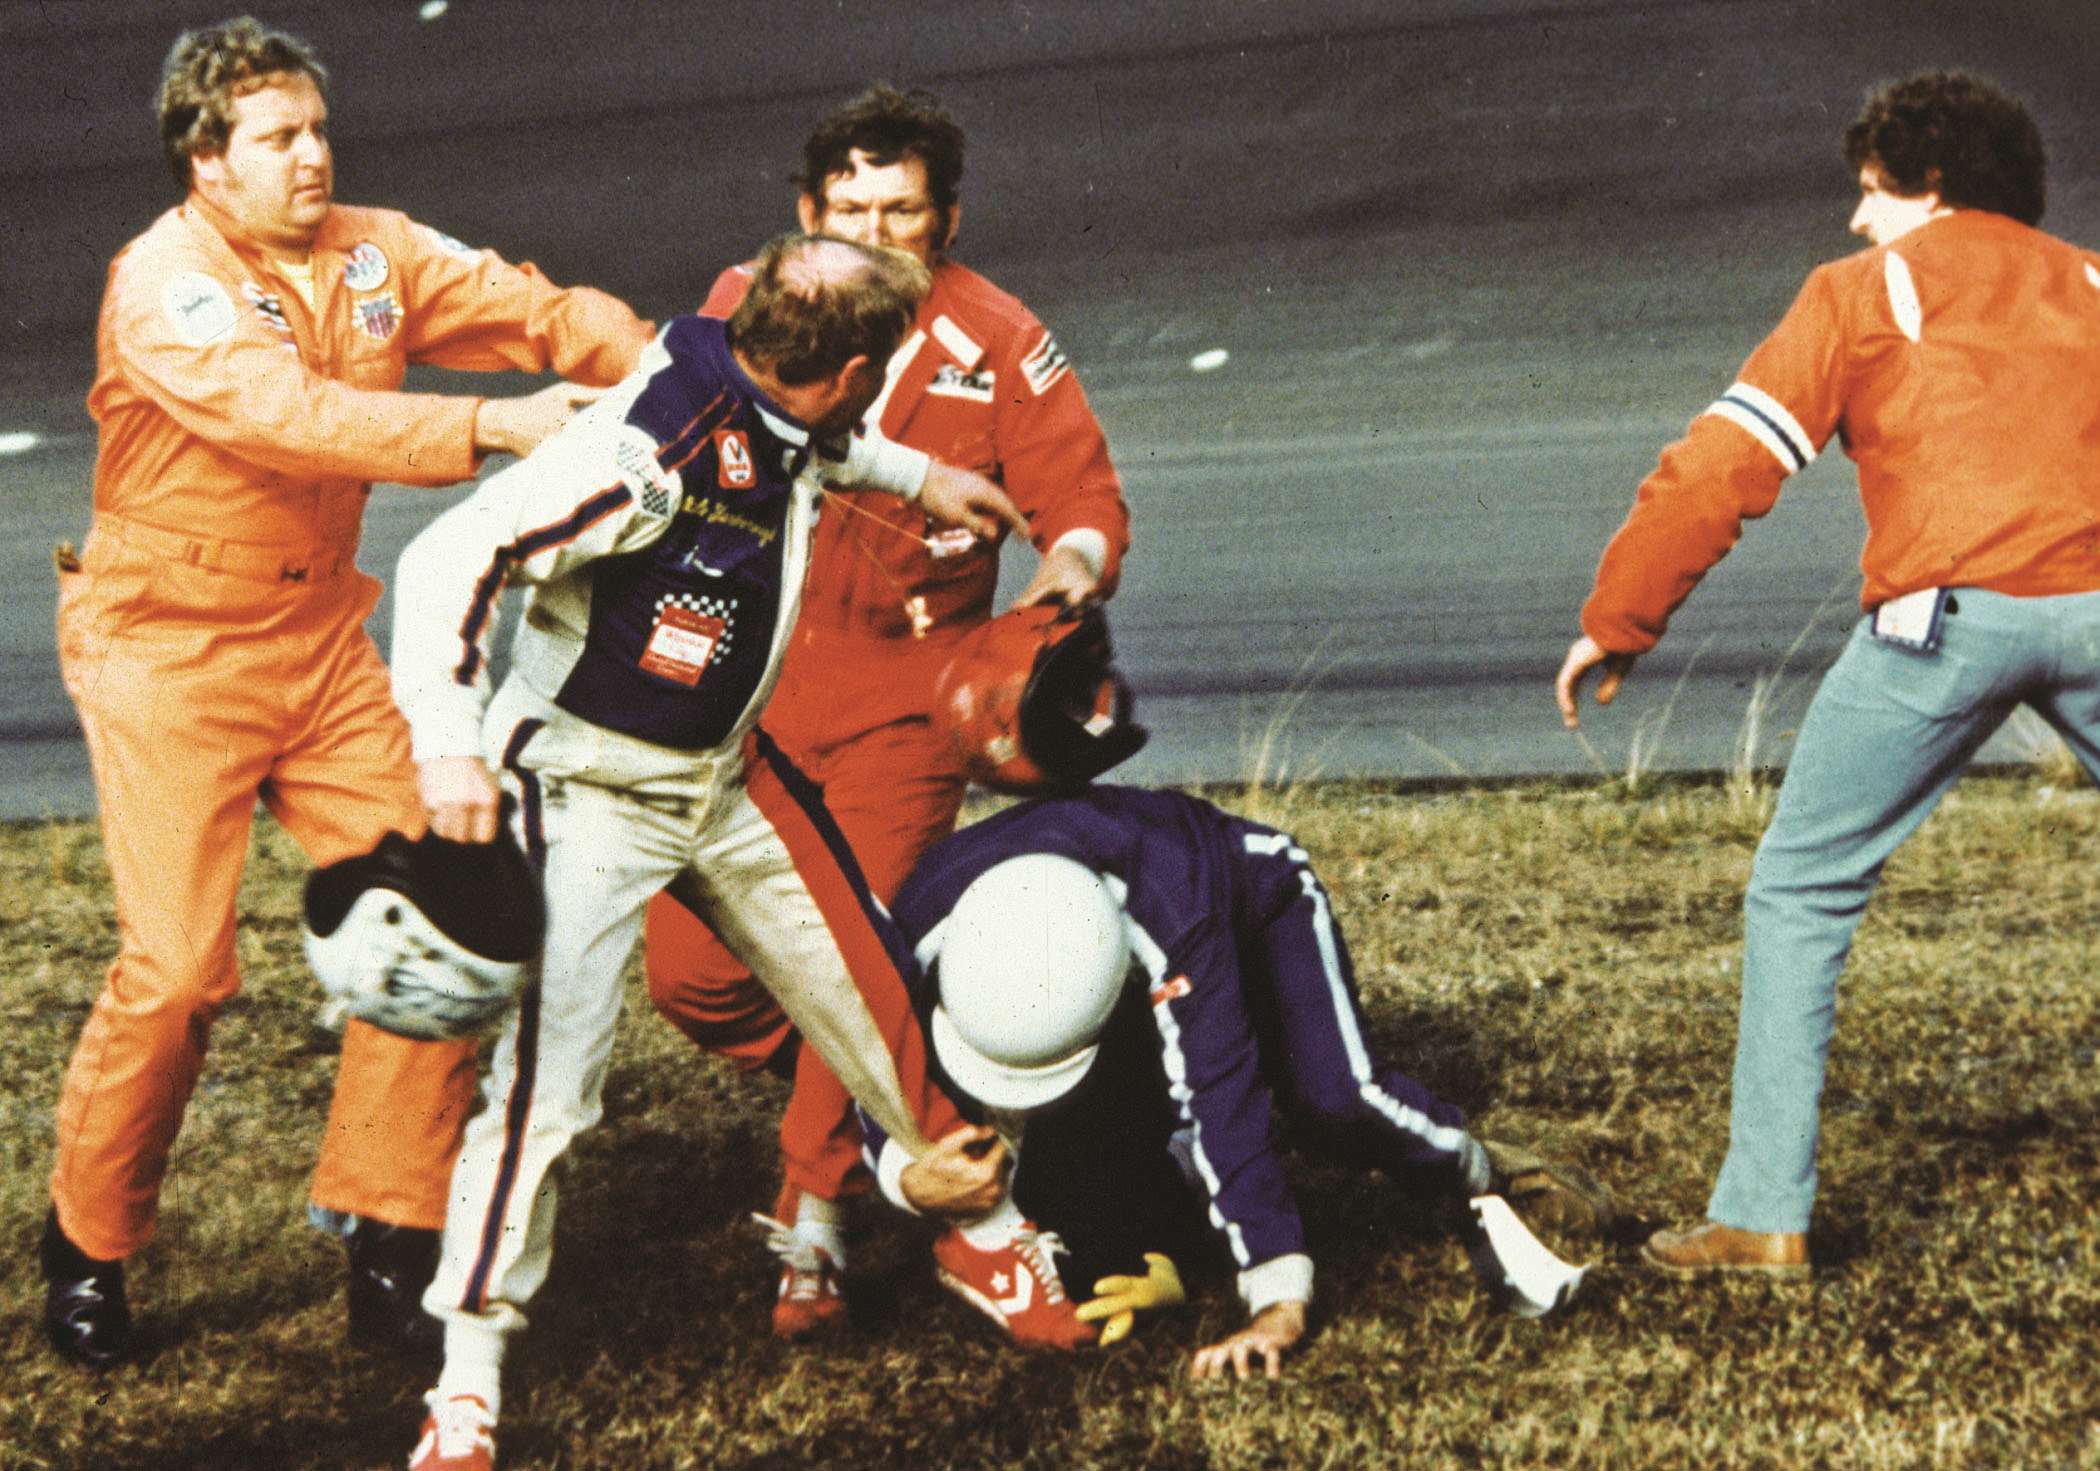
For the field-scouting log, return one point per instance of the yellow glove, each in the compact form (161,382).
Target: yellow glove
(1121,1299)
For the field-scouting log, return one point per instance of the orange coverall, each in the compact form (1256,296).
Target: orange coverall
(981,384)
(211,636)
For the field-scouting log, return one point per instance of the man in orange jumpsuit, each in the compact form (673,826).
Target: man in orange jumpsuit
(251,348)
(979,384)
(1955,359)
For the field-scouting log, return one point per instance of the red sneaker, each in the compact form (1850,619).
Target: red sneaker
(812,1298)
(1015,1285)
(455,1435)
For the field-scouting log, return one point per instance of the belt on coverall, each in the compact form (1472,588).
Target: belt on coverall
(249,560)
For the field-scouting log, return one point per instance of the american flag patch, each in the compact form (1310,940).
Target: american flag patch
(379,317)
(1045,365)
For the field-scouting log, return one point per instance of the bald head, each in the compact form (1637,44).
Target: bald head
(810,265)
(817,303)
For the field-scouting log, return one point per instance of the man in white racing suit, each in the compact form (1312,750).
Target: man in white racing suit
(664,537)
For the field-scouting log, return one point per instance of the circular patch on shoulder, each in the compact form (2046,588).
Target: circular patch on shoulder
(198,308)
(365,269)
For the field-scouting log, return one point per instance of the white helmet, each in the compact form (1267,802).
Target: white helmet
(428,939)
(1031,963)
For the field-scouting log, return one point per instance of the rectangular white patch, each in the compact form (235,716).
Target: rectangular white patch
(1912,620)
(961,346)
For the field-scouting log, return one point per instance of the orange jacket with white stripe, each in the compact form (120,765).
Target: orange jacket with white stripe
(1957,365)
(228,409)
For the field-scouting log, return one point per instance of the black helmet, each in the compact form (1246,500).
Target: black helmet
(1032,701)
(429,939)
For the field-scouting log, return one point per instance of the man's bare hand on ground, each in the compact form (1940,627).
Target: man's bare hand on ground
(1274,1329)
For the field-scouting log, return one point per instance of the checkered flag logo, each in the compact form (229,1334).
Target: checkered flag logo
(635,456)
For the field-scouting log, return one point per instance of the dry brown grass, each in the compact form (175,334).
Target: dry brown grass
(1561,959)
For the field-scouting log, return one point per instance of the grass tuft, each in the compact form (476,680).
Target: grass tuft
(1559,957)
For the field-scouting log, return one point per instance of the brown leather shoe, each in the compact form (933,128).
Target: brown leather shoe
(1712,1247)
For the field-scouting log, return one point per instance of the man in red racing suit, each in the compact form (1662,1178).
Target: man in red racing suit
(980,384)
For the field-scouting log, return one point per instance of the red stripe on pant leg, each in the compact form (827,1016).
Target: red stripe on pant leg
(842,898)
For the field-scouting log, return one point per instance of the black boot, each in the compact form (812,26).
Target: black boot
(389,1268)
(85,1314)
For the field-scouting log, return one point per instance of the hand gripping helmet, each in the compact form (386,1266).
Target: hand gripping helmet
(428,939)
(1032,701)
(1032,961)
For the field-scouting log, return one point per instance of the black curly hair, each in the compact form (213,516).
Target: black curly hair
(1957,135)
(887,125)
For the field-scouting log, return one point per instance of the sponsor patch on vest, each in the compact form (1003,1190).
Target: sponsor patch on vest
(682,642)
(198,308)
(733,457)
(1045,365)
(365,268)
(953,382)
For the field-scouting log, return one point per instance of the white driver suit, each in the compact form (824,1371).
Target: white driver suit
(664,536)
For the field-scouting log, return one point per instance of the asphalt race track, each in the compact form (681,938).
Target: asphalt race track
(1470,262)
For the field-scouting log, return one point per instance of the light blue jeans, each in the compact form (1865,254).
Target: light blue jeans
(1886,735)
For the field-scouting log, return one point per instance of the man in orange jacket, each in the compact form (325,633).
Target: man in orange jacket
(1955,358)
(981,384)
(250,354)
